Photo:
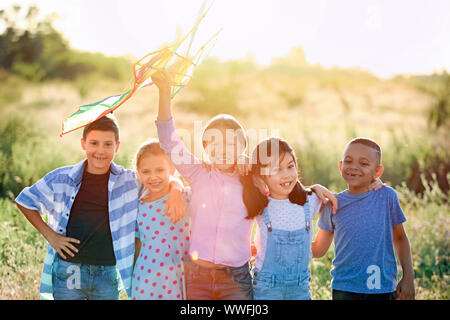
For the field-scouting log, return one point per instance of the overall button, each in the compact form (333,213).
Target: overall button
(254,282)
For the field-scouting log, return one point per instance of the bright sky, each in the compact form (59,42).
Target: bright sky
(385,36)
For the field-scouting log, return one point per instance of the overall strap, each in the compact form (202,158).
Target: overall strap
(267,220)
(307,215)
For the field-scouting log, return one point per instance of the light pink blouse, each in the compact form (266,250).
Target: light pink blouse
(219,231)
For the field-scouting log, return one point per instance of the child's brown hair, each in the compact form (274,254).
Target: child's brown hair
(254,200)
(105,123)
(149,147)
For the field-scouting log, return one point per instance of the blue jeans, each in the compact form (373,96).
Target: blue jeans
(268,286)
(230,283)
(74,281)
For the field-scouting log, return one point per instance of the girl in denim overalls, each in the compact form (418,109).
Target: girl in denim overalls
(284,233)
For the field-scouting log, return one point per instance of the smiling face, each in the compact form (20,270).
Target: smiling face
(282,176)
(223,147)
(100,148)
(360,167)
(154,172)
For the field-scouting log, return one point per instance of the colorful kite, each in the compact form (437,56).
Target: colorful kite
(173,58)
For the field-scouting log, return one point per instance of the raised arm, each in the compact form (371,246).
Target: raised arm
(163,81)
(183,160)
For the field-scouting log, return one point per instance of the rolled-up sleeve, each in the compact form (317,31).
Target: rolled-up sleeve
(39,196)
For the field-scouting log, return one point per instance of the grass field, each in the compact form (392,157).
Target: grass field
(317,111)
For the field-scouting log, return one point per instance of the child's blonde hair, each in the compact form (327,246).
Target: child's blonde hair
(149,147)
(224,121)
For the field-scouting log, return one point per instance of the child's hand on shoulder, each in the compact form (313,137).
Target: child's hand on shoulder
(175,207)
(325,196)
(243,166)
(377,185)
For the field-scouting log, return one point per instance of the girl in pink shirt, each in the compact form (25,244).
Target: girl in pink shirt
(220,233)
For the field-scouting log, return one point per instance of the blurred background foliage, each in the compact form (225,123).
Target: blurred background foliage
(317,110)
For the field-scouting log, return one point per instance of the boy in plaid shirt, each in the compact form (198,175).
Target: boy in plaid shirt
(91,208)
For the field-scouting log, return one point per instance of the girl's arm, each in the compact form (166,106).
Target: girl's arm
(405,288)
(377,185)
(162,80)
(185,162)
(325,195)
(322,243)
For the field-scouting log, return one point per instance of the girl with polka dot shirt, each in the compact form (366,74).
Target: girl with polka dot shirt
(161,245)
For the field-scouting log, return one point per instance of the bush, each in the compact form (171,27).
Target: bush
(25,155)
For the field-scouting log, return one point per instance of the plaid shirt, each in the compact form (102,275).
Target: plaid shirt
(54,195)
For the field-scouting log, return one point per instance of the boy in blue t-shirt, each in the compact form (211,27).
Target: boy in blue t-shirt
(366,229)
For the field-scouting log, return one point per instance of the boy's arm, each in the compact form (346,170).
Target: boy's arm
(322,243)
(405,288)
(58,242)
(137,249)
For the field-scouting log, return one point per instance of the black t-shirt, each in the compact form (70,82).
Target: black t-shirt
(89,222)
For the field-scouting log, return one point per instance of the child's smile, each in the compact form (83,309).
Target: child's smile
(287,185)
(154,172)
(359,167)
(282,177)
(100,148)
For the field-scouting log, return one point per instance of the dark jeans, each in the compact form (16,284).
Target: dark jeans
(346,295)
(230,283)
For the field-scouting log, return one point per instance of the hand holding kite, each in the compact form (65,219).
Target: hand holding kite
(174,59)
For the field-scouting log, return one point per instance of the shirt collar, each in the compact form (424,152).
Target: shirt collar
(76,173)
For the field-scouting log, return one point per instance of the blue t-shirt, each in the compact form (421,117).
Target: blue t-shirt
(364,259)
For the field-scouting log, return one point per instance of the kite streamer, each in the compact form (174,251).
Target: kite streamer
(172,58)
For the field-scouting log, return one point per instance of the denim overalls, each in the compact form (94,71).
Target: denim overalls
(285,271)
